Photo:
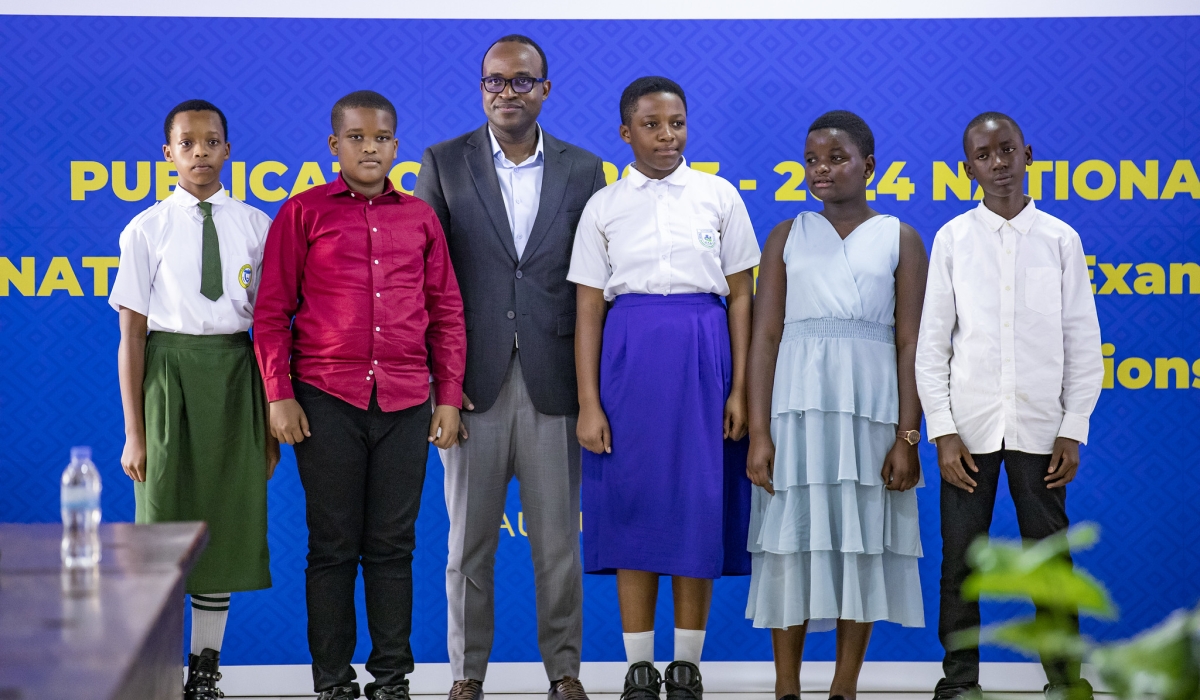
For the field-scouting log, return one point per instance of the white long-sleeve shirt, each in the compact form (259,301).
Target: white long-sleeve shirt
(1009,348)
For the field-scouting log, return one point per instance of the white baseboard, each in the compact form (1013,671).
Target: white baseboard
(607,676)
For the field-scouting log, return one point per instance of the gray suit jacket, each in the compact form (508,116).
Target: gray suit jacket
(503,295)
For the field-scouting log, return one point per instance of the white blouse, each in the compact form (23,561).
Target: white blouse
(682,234)
(159,273)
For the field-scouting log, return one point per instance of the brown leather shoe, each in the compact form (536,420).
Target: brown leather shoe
(466,689)
(566,688)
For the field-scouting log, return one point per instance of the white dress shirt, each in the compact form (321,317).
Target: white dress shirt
(521,185)
(682,234)
(1009,349)
(159,273)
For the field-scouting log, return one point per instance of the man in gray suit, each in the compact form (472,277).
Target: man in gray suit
(509,196)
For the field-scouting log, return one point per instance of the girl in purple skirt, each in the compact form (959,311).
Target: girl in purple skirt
(662,365)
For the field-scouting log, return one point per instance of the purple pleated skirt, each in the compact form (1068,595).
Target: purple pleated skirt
(673,497)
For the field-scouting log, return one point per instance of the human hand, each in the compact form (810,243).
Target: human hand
(593,430)
(952,457)
(1064,463)
(289,425)
(444,426)
(736,416)
(462,424)
(133,457)
(760,462)
(272,456)
(902,467)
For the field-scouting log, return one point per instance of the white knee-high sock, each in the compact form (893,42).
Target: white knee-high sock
(209,612)
(688,645)
(639,646)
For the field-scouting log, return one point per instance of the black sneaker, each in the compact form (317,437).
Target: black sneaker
(683,681)
(944,691)
(203,676)
(390,692)
(340,692)
(790,697)
(1079,690)
(642,682)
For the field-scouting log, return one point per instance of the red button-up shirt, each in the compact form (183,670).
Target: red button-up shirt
(373,293)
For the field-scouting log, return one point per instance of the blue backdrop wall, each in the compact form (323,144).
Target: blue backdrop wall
(1110,106)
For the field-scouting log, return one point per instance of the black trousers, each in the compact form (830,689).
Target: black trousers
(362,472)
(1041,512)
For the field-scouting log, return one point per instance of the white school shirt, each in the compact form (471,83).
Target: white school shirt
(159,273)
(682,234)
(1009,347)
(521,185)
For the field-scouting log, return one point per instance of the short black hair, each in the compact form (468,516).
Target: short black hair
(360,99)
(854,126)
(518,39)
(647,85)
(988,117)
(193,106)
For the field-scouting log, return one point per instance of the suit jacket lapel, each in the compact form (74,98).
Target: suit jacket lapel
(555,173)
(483,172)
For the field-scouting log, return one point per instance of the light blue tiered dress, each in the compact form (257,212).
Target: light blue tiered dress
(833,542)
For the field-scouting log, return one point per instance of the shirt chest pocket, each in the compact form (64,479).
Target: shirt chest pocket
(1043,289)
(406,248)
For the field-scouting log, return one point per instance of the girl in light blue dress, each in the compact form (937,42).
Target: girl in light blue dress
(834,416)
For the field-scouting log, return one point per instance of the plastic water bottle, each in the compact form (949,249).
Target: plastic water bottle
(80,496)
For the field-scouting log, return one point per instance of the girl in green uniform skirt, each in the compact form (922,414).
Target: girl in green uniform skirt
(196,442)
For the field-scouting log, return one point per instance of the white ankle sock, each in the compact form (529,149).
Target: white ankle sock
(688,645)
(209,613)
(639,646)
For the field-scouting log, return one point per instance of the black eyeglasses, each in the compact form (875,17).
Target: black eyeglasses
(520,84)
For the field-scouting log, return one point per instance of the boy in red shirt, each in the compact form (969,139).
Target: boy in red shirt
(365,271)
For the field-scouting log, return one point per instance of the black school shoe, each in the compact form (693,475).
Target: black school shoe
(683,681)
(1080,690)
(203,676)
(642,682)
(946,692)
(340,692)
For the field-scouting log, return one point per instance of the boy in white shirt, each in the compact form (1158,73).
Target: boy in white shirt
(196,441)
(1008,370)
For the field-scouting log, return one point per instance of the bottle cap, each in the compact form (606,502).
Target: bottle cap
(81,453)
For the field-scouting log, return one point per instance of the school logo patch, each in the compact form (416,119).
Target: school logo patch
(245,276)
(706,237)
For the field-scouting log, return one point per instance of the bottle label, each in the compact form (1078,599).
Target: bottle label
(79,498)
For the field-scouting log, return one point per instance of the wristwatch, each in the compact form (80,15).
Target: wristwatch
(912,437)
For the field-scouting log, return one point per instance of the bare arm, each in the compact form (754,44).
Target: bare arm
(131,371)
(902,467)
(591,309)
(769,308)
(741,296)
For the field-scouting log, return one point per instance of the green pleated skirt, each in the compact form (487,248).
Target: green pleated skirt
(206,454)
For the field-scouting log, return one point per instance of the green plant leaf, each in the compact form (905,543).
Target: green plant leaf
(1161,662)
(1033,637)
(1055,585)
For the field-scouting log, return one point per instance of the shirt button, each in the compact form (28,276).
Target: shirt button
(376,262)
(377,328)
(1007,288)
(510,314)
(520,274)
(376,361)
(370,371)
(374,230)
(376,293)
(664,257)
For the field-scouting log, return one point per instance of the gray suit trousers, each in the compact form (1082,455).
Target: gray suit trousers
(512,439)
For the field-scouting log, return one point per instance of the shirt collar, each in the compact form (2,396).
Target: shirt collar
(339,186)
(1022,222)
(498,153)
(678,177)
(182,198)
